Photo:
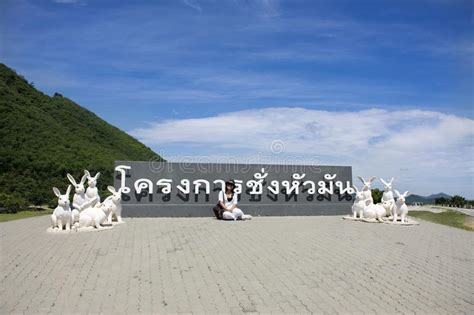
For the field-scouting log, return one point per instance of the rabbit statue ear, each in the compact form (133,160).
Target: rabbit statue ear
(111,189)
(406,194)
(397,193)
(372,179)
(355,187)
(87,173)
(68,191)
(56,192)
(361,179)
(383,182)
(391,180)
(96,177)
(83,179)
(71,179)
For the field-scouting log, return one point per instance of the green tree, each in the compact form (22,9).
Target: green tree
(457,201)
(377,195)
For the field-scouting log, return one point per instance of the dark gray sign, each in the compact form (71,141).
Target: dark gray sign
(162,189)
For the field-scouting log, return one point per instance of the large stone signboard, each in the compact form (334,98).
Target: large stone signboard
(162,189)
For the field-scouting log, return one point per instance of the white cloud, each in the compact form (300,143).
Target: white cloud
(193,4)
(67,1)
(71,2)
(427,151)
(268,8)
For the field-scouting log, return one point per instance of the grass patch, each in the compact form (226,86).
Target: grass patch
(450,218)
(4,217)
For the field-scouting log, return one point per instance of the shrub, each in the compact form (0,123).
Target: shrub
(12,204)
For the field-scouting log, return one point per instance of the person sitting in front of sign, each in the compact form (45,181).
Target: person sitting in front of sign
(228,203)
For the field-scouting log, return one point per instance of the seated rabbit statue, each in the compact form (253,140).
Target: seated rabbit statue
(359,204)
(62,216)
(115,201)
(376,211)
(401,208)
(389,207)
(93,216)
(388,193)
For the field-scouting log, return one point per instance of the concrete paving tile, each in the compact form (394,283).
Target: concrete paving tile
(279,265)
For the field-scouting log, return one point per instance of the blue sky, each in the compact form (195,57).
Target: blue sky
(181,68)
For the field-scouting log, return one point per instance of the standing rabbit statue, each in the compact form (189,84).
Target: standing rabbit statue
(62,216)
(92,191)
(366,189)
(359,204)
(401,208)
(79,197)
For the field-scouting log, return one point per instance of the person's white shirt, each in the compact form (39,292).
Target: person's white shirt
(227,203)
(236,213)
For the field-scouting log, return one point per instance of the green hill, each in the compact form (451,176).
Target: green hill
(43,138)
(426,200)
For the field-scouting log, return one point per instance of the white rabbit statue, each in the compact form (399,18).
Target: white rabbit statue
(92,191)
(400,207)
(93,216)
(389,207)
(388,193)
(115,201)
(359,204)
(376,211)
(79,197)
(366,189)
(62,216)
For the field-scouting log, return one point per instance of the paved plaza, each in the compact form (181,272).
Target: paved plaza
(267,265)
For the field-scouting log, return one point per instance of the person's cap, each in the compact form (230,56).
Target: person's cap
(230,181)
